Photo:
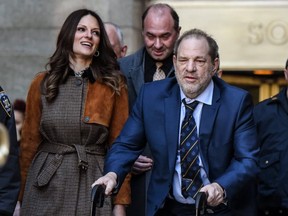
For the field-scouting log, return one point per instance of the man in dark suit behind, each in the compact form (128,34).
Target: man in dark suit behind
(271,117)
(160,30)
(228,152)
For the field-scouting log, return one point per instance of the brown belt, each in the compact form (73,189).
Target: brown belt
(60,150)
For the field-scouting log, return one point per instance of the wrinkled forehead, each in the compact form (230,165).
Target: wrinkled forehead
(197,46)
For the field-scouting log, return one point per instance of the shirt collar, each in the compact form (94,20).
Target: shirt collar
(150,63)
(87,73)
(205,97)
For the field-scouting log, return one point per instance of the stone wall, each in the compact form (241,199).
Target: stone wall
(29,30)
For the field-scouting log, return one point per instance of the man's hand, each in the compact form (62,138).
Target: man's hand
(215,194)
(109,180)
(142,164)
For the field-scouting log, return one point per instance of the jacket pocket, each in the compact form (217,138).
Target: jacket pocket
(270,159)
(269,173)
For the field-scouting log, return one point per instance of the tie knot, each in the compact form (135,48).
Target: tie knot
(191,106)
(159,65)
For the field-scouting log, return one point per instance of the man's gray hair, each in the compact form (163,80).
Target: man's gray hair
(118,32)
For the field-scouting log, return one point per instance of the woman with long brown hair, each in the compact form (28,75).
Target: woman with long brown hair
(75,109)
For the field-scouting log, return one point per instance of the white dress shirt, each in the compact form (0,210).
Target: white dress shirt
(204,98)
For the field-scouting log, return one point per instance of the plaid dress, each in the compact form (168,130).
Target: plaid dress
(69,158)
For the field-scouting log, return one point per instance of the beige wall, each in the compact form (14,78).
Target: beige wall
(250,34)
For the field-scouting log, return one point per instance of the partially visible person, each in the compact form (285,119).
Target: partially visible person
(271,117)
(19,106)
(116,39)
(160,30)
(221,128)
(219,71)
(10,171)
(74,111)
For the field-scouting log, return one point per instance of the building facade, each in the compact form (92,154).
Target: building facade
(252,35)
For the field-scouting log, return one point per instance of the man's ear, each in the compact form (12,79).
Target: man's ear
(174,60)
(286,74)
(216,65)
(124,51)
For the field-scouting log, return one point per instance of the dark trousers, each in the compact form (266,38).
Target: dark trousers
(174,208)
(139,186)
(138,195)
(273,212)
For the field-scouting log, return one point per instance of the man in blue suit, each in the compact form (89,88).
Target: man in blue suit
(226,135)
(160,30)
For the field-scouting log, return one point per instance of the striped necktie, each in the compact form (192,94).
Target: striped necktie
(159,73)
(189,152)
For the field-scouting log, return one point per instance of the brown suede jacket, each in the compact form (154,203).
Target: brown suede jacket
(99,110)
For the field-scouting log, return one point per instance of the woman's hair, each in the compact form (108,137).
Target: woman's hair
(104,67)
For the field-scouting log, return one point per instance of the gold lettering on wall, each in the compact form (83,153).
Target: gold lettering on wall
(274,32)
(277,32)
(255,32)
(251,34)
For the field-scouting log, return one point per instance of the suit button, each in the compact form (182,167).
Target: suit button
(86,119)
(78,82)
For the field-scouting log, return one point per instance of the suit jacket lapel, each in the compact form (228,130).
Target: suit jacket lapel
(172,115)
(208,117)
(136,69)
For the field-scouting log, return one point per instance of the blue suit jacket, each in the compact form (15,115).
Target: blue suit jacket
(227,141)
(133,66)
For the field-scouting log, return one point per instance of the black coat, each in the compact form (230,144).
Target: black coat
(10,171)
(271,117)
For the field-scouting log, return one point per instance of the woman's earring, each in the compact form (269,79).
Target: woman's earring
(97,53)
